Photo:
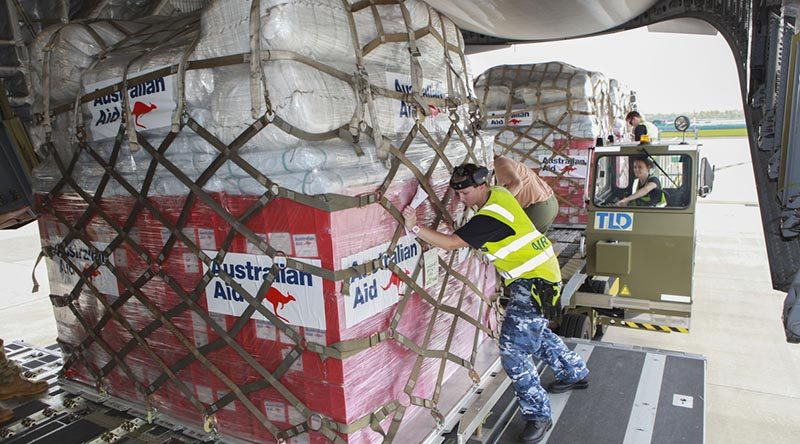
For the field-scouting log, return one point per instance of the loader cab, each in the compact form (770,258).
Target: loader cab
(646,249)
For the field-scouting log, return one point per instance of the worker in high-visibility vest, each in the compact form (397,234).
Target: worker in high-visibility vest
(14,385)
(524,257)
(640,127)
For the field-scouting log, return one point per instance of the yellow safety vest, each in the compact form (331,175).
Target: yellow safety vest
(646,201)
(526,254)
(652,131)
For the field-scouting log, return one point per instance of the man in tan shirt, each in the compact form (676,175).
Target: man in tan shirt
(533,194)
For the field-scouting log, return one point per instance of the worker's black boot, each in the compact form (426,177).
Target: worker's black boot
(534,430)
(561,387)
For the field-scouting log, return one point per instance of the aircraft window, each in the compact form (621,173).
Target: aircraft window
(620,181)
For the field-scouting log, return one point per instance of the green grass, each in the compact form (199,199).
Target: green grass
(726,132)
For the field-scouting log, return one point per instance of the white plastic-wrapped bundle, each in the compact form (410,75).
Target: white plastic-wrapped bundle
(190,153)
(496,97)
(313,101)
(314,171)
(554,94)
(308,76)
(198,83)
(320,30)
(550,118)
(123,9)
(620,104)
(74,47)
(579,86)
(303,96)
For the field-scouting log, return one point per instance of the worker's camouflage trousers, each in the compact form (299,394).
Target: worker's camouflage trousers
(8,369)
(525,334)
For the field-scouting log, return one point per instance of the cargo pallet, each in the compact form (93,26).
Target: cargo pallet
(636,395)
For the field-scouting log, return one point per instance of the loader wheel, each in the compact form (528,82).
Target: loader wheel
(593,286)
(576,326)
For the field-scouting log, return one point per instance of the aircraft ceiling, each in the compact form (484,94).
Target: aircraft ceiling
(540,19)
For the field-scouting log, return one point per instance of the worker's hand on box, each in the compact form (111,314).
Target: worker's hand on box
(410,217)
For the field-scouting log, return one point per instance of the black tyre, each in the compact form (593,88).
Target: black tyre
(576,326)
(594,286)
(566,325)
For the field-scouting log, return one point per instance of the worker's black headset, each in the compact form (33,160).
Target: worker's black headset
(475,175)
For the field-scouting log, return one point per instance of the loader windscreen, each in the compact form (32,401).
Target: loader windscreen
(653,181)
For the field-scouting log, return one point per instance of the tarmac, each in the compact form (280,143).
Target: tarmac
(752,391)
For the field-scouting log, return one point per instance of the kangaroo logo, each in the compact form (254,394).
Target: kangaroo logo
(394,280)
(94,274)
(434,110)
(140,109)
(568,169)
(515,121)
(275,297)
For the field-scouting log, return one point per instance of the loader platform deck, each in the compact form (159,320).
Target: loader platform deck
(636,395)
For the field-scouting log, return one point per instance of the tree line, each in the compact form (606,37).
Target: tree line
(730,114)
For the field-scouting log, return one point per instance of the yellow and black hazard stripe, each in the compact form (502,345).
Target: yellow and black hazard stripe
(654,327)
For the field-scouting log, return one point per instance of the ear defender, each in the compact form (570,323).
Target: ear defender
(474,175)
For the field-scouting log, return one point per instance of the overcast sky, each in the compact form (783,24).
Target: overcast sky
(670,72)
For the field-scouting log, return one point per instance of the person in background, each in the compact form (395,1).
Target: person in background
(14,385)
(524,257)
(533,194)
(641,127)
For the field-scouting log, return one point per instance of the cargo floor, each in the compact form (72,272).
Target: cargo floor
(636,395)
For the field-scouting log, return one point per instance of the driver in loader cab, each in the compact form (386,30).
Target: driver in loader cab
(524,257)
(645,190)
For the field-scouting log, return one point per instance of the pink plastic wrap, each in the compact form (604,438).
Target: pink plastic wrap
(149,291)
(342,390)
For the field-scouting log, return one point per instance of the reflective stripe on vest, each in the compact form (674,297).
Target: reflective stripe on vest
(645,200)
(538,260)
(517,244)
(526,253)
(495,208)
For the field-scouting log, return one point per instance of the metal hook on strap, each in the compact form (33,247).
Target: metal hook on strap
(210,424)
(315,421)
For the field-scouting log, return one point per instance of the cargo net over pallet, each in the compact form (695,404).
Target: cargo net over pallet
(549,116)
(220,213)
